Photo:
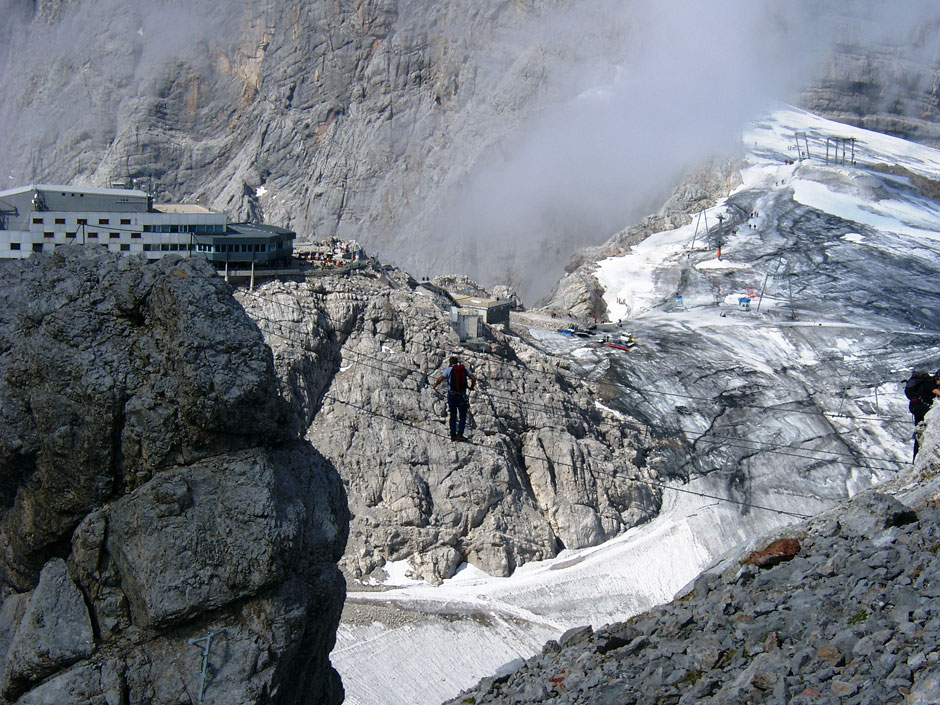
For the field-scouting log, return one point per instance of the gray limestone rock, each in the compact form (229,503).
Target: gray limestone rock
(84,684)
(882,88)
(575,635)
(11,613)
(578,295)
(356,356)
(156,493)
(114,370)
(435,563)
(874,512)
(230,527)
(55,630)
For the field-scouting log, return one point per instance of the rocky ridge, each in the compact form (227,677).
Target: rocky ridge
(155,502)
(843,608)
(547,466)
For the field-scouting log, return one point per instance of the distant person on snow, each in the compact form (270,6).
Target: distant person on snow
(460,382)
(921,389)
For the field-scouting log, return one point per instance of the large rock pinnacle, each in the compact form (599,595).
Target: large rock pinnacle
(154,492)
(549,467)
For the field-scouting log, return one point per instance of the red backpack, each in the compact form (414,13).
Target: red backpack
(458,379)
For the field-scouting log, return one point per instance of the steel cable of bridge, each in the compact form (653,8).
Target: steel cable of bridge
(594,469)
(629,387)
(774,449)
(640,429)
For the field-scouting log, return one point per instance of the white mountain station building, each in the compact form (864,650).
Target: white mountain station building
(39,217)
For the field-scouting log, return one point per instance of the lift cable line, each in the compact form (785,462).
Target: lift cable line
(702,214)
(731,441)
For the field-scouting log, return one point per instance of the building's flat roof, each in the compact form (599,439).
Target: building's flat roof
(75,189)
(478,302)
(256,229)
(181,208)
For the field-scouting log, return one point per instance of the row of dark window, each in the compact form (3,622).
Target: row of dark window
(168,247)
(37,246)
(90,235)
(250,247)
(195,228)
(81,221)
(174,247)
(171,247)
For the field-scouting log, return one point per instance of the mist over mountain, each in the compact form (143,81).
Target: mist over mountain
(490,138)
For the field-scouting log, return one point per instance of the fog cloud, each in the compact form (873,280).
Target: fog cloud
(674,85)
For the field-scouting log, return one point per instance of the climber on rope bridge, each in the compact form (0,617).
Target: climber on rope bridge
(460,382)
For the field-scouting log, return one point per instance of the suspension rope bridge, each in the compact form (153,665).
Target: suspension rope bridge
(383,365)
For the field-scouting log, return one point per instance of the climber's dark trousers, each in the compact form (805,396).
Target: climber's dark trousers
(457,404)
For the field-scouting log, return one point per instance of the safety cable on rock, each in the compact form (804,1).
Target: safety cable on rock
(626,386)
(768,448)
(650,483)
(583,378)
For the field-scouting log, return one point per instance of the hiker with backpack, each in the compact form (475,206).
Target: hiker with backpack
(921,389)
(460,382)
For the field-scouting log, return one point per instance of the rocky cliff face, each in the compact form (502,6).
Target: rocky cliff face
(327,118)
(390,121)
(154,494)
(547,467)
(891,88)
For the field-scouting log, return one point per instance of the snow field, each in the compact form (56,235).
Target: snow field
(423,644)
